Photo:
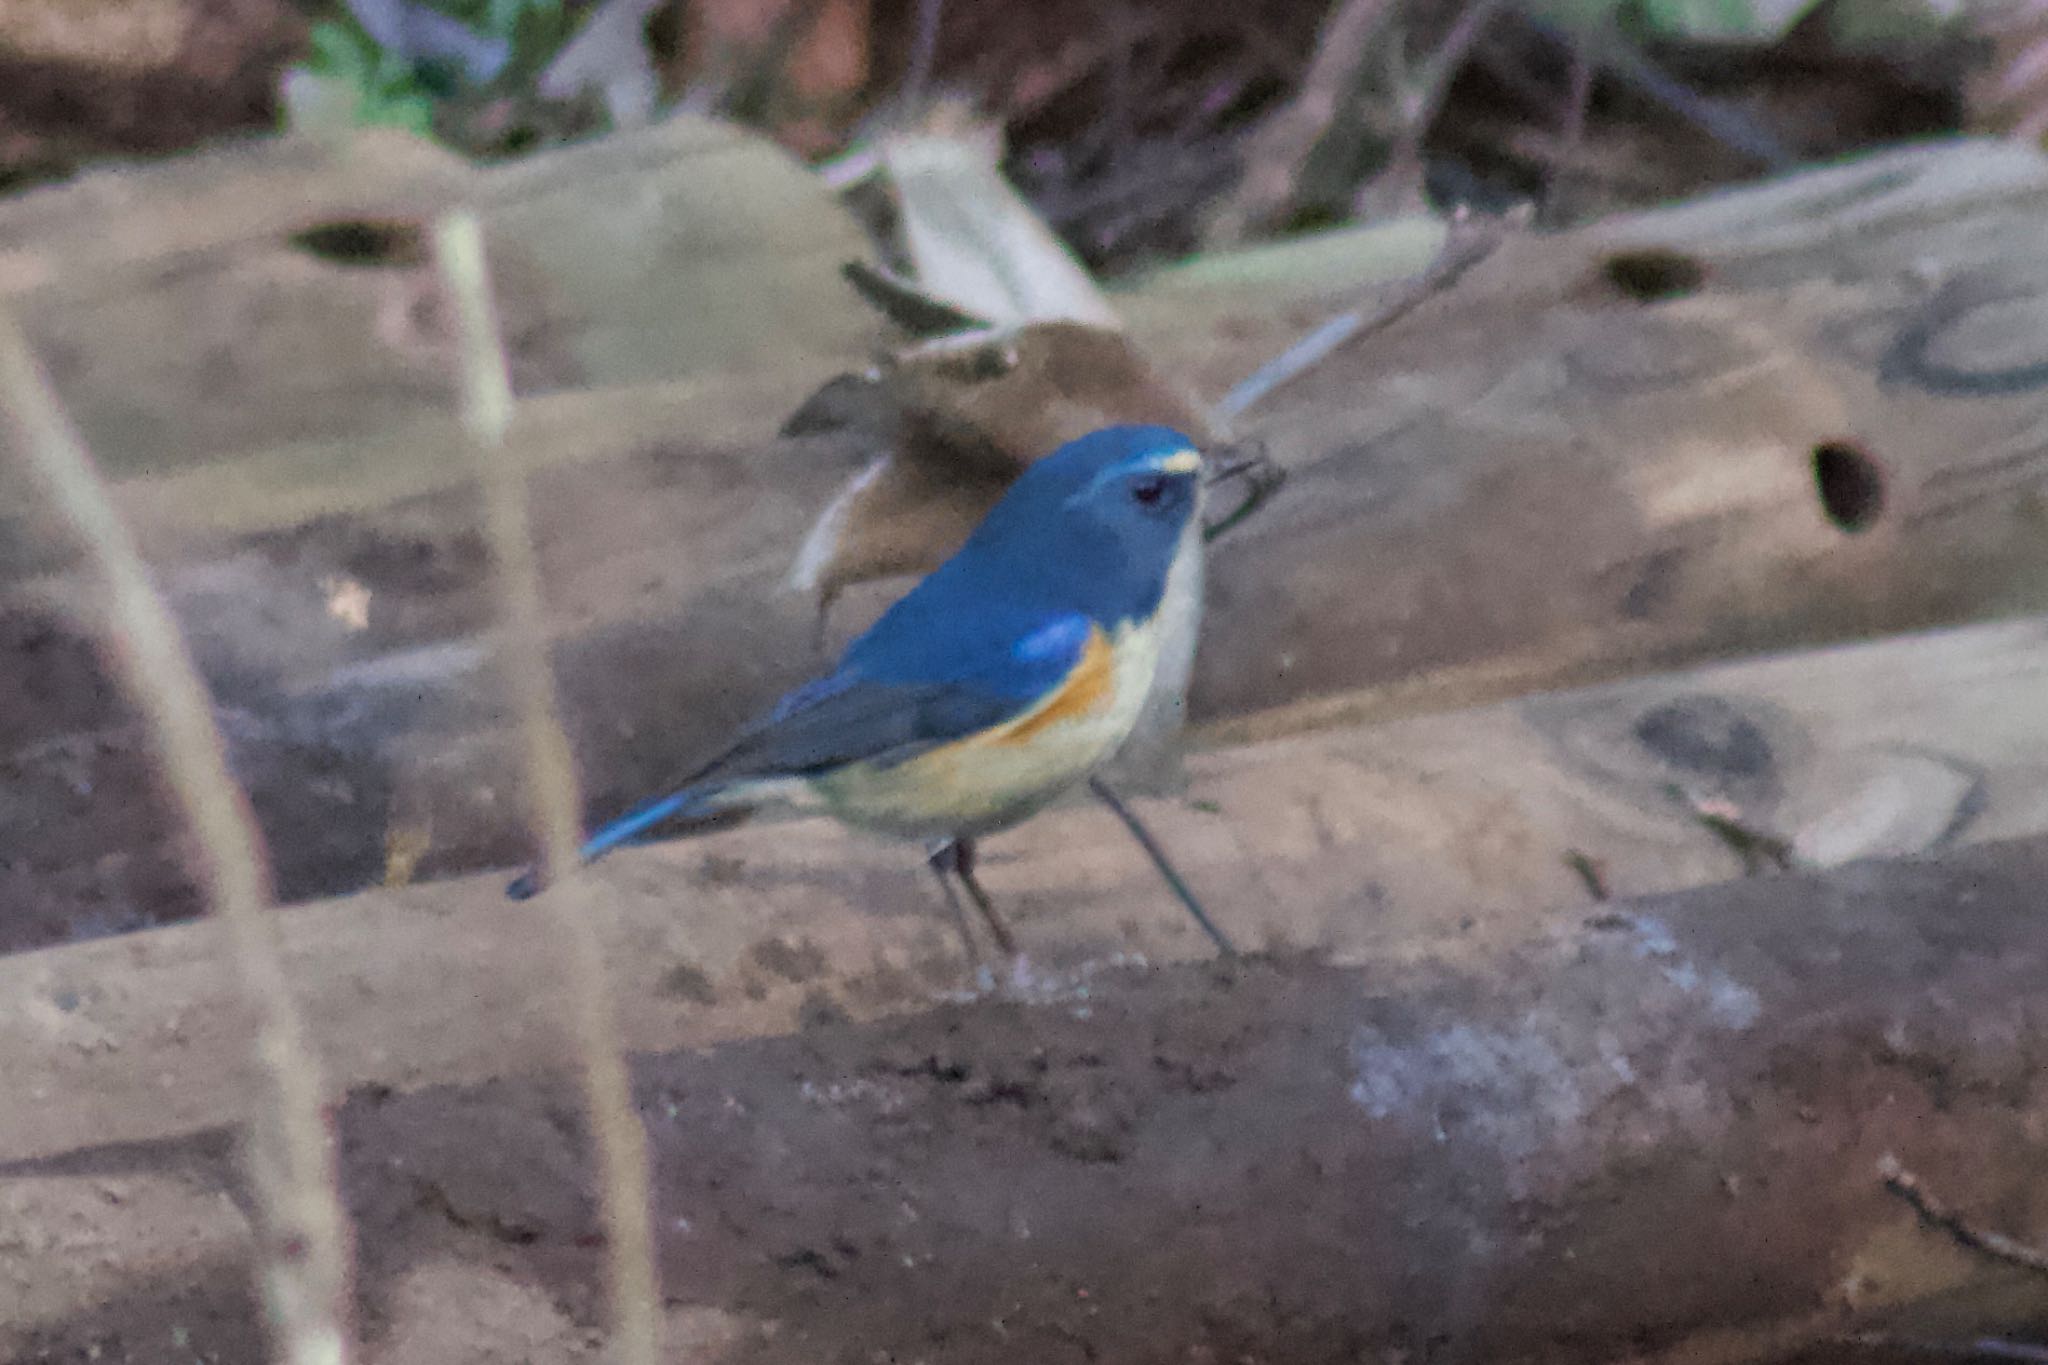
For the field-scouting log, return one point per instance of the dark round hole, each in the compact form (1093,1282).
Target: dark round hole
(1850,484)
(1706,734)
(1653,273)
(364,242)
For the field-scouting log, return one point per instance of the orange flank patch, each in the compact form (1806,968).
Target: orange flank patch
(1086,687)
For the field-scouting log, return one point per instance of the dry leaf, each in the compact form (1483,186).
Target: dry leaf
(948,425)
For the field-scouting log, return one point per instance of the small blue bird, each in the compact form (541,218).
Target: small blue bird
(1006,678)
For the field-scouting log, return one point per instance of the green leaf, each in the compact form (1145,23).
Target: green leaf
(314,102)
(1581,15)
(408,110)
(1864,24)
(508,19)
(502,17)
(341,50)
(1750,21)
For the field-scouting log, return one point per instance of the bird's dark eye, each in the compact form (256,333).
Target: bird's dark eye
(1149,492)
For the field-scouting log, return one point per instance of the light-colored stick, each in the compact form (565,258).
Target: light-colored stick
(552,794)
(1935,1213)
(303,1249)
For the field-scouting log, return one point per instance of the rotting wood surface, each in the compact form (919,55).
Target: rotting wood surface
(1446,833)
(1660,1126)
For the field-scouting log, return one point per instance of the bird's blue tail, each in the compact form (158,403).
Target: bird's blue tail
(627,829)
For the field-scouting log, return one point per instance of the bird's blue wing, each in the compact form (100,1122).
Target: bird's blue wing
(885,704)
(902,688)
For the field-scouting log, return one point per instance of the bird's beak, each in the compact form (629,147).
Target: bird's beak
(1248,461)
(1237,460)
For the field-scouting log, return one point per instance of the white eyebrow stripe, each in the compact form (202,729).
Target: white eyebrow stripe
(1180,460)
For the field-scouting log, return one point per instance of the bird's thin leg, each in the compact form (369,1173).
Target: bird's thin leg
(941,862)
(1108,797)
(963,868)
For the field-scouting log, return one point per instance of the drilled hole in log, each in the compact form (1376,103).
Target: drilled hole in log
(1653,274)
(364,242)
(1850,484)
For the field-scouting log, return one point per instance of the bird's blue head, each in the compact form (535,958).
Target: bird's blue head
(1095,525)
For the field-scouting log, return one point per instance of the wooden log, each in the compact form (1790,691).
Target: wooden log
(1694,444)
(1663,1131)
(1739,463)
(1440,833)
(260,327)
(1537,479)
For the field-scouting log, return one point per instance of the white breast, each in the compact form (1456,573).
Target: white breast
(987,782)
(982,784)
(1150,747)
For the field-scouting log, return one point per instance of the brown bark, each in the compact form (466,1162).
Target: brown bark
(1537,478)
(1662,1127)
(1453,833)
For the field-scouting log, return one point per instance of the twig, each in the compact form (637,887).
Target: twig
(1468,241)
(903,108)
(1420,104)
(754,90)
(1571,133)
(302,1233)
(551,789)
(1759,850)
(1978,1351)
(1154,180)
(924,55)
(1730,127)
(1936,1214)
(1280,146)
(1592,874)
(1113,128)
(921,314)
(1263,478)
(608,53)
